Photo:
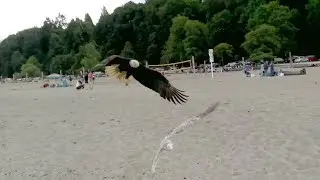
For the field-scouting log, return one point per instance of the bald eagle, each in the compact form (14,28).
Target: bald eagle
(123,68)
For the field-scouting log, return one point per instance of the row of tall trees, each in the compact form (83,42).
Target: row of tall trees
(165,31)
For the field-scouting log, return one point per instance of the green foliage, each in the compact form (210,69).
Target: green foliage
(61,62)
(90,56)
(196,41)
(311,28)
(250,9)
(263,42)
(313,8)
(127,50)
(223,50)
(89,63)
(259,55)
(162,31)
(174,48)
(31,68)
(220,27)
(17,60)
(98,67)
(34,61)
(187,38)
(281,17)
(17,76)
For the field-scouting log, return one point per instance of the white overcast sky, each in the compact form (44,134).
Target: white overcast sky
(16,15)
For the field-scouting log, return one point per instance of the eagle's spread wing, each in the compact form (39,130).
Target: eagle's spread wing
(169,92)
(157,82)
(119,67)
(115,60)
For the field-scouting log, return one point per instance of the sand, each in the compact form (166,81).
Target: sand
(264,128)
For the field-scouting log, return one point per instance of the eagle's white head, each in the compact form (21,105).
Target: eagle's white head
(134,63)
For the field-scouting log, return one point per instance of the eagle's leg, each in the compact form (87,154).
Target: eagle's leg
(127,80)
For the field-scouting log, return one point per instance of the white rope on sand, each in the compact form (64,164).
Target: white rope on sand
(166,143)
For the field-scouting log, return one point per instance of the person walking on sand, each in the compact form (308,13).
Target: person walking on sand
(91,79)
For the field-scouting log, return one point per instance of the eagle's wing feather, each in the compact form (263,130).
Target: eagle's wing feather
(172,94)
(157,82)
(115,60)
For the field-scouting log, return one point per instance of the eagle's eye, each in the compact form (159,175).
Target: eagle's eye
(134,63)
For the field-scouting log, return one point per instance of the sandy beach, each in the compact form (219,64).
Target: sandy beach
(264,129)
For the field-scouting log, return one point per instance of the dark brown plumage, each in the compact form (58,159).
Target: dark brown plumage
(123,68)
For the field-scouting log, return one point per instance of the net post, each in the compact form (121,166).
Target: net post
(291,61)
(192,65)
(243,63)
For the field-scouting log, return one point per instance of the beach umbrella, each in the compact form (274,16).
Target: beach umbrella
(54,76)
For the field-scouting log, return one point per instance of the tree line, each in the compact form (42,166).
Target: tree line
(166,31)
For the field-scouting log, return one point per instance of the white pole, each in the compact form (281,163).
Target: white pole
(147,65)
(205,67)
(193,65)
(211,56)
(290,58)
(243,63)
(211,69)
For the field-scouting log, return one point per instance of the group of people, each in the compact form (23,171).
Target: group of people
(247,69)
(88,78)
(63,81)
(267,69)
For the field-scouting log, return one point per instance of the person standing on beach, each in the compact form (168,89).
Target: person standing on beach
(91,79)
(86,78)
(247,69)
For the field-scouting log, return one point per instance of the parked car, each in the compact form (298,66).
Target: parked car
(278,60)
(312,58)
(233,66)
(301,59)
(207,68)
(287,60)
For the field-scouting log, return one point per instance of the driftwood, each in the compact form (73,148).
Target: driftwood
(294,72)
(167,144)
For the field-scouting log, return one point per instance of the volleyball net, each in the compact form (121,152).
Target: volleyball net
(174,68)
